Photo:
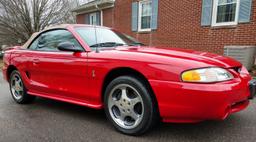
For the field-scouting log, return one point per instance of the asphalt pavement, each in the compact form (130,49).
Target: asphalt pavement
(47,120)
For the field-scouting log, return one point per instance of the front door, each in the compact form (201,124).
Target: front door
(93,19)
(54,72)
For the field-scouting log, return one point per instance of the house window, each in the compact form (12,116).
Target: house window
(225,12)
(94,18)
(145,15)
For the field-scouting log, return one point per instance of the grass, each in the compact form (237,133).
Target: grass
(253,72)
(1,64)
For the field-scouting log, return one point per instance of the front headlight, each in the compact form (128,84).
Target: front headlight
(206,75)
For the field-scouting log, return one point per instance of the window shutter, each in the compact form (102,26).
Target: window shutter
(206,18)
(245,11)
(98,18)
(87,19)
(154,14)
(135,16)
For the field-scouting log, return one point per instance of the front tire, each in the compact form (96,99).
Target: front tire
(129,105)
(18,89)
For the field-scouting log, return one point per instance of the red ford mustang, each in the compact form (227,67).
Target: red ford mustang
(99,67)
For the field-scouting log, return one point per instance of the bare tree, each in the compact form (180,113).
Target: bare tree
(19,19)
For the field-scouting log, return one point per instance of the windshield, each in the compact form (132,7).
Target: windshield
(105,37)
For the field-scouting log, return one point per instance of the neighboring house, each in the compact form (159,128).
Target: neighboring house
(205,25)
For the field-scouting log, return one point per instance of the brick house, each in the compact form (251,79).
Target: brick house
(205,25)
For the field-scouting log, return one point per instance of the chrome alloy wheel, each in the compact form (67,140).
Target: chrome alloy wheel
(125,106)
(16,87)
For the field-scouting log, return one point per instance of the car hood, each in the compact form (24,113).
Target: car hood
(206,58)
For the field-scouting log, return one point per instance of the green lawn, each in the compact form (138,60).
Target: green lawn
(253,71)
(1,64)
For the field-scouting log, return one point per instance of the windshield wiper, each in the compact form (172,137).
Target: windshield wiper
(136,44)
(107,44)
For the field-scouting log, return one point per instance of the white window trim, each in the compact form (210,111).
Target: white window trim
(214,15)
(139,17)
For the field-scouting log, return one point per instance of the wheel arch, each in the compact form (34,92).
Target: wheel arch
(122,71)
(10,69)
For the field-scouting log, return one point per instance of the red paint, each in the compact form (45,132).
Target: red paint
(69,77)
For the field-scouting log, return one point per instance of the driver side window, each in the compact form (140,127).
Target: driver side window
(49,41)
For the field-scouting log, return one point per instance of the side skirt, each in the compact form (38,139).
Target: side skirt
(68,100)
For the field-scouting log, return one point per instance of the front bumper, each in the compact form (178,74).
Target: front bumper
(190,102)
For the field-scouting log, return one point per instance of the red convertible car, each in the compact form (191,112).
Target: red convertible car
(99,67)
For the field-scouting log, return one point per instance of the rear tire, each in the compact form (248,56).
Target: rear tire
(18,89)
(129,106)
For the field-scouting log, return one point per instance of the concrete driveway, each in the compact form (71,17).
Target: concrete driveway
(47,120)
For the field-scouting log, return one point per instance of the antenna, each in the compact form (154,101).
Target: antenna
(96,39)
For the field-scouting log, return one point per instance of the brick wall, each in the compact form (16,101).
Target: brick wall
(108,17)
(179,25)
(80,19)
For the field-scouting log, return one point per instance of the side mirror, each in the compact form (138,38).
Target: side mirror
(68,46)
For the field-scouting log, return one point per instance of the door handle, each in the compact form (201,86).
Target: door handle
(36,61)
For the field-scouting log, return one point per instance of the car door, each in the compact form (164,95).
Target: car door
(57,73)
